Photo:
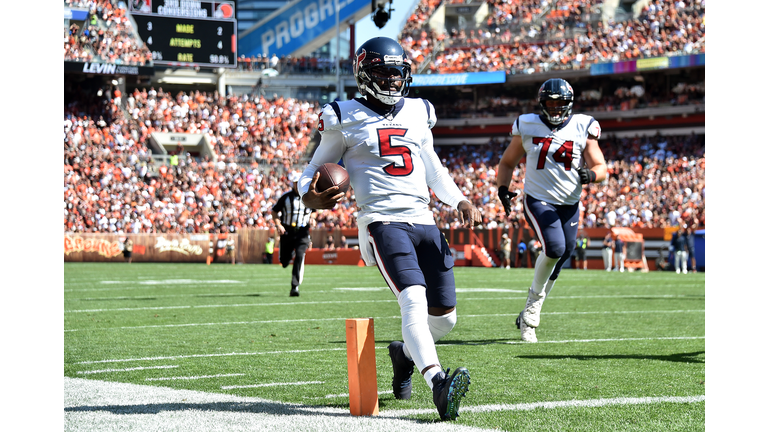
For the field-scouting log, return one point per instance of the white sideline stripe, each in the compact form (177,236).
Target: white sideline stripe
(378,347)
(126,369)
(193,377)
(358,301)
(383,317)
(271,385)
(586,403)
(90,405)
(176,282)
(610,340)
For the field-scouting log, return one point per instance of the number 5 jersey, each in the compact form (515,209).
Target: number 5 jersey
(389,155)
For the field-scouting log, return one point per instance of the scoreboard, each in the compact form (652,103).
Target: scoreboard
(188,33)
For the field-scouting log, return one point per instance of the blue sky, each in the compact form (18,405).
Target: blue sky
(366,29)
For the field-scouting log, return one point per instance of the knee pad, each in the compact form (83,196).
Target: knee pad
(441,325)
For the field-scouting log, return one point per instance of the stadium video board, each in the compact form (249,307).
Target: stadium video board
(188,32)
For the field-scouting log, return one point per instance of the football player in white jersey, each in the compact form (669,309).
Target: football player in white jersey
(561,154)
(385,142)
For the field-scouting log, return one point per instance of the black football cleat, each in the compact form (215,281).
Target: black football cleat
(447,392)
(403,369)
(294,291)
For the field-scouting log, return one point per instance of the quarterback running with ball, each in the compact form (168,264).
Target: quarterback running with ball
(561,154)
(385,142)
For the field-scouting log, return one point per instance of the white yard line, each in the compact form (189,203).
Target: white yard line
(358,301)
(271,385)
(91,405)
(193,377)
(135,359)
(126,369)
(383,317)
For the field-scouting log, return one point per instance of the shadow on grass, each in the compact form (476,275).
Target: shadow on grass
(266,407)
(691,357)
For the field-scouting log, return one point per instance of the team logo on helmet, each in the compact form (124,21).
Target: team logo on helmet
(359,60)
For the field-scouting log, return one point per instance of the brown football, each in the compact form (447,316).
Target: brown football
(332,174)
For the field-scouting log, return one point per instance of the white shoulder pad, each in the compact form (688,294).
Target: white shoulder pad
(515,128)
(431,116)
(329,118)
(594,129)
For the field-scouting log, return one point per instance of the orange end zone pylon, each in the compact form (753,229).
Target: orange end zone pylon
(361,364)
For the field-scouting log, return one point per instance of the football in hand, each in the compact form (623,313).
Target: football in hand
(332,174)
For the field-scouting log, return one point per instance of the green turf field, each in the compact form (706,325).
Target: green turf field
(616,351)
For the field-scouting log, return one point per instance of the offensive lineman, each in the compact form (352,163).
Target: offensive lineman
(562,154)
(385,141)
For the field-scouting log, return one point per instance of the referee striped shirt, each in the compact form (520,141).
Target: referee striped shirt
(292,211)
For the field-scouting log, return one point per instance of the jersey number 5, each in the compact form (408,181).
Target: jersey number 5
(563,154)
(386,148)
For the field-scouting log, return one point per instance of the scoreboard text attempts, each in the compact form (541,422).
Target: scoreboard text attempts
(188,42)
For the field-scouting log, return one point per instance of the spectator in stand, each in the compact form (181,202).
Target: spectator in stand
(330,243)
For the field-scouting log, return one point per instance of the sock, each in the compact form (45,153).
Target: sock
(419,344)
(439,326)
(542,271)
(549,285)
(428,375)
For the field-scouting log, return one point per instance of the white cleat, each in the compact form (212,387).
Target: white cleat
(532,312)
(527,334)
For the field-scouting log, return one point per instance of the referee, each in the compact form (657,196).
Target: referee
(293,219)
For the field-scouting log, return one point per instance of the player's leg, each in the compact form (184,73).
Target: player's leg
(545,220)
(436,262)
(395,254)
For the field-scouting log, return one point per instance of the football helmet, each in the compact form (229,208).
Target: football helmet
(556,89)
(382,70)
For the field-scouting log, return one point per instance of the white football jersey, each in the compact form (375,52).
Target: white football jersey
(553,155)
(389,155)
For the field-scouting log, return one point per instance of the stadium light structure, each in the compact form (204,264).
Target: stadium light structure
(381,16)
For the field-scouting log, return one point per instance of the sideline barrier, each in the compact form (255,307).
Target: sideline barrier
(250,242)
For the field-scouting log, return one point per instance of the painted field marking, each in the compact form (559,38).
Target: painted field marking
(382,317)
(126,369)
(358,301)
(193,377)
(378,347)
(87,406)
(271,385)
(586,403)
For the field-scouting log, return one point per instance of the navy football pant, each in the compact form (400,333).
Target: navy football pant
(556,226)
(411,254)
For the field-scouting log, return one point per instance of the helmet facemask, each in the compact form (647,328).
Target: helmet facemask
(387,82)
(558,113)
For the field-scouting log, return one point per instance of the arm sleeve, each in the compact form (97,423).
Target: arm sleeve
(330,149)
(438,177)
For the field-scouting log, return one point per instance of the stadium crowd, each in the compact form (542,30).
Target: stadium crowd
(111,183)
(520,38)
(107,36)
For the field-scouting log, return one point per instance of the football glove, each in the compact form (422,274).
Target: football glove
(506,199)
(586,175)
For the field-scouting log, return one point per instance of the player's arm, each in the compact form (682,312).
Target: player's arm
(330,150)
(595,160)
(441,182)
(509,160)
(595,170)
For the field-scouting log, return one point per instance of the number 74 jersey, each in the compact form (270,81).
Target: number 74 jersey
(389,155)
(553,155)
